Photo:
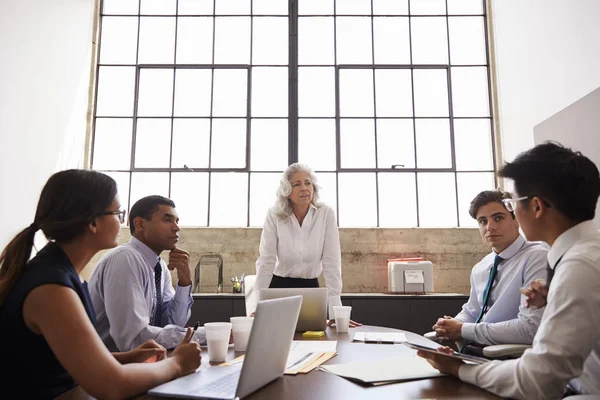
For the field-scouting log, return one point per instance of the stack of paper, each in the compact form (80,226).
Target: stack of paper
(379,337)
(398,369)
(304,356)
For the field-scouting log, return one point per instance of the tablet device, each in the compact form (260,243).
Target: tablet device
(460,356)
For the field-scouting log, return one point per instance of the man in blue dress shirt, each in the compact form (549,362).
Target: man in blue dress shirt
(496,312)
(131,287)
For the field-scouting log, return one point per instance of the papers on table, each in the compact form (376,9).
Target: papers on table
(314,345)
(397,369)
(380,337)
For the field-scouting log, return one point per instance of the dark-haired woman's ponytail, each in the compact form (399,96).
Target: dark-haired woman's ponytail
(14,257)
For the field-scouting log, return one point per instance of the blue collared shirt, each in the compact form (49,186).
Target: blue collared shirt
(123,292)
(507,319)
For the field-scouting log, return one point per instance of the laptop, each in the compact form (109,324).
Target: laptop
(313,314)
(273,329)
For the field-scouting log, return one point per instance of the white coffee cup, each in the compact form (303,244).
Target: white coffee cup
(241,327)
(217,340)
(342,317)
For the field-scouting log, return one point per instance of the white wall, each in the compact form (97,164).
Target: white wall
(578,127)
(44,73)
(547,57)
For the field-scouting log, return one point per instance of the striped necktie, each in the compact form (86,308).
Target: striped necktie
(157,281)
(488,288)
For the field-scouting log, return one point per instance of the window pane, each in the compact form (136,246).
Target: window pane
(427,7)
(270,41)
(270,92)
(230,93)
(157,40)
(315,41)
(262,196)
(122,179)
(470,92)
(472,142)
(316,92)
(159,7)
(269,144)
(194,40)
(112,143)
(232,40)
(115,91)
(189,191)
(328,188)
(316,143)
(393,91)
(118,44)
(467,40)
(465,7)
(231,7)
(356,93)
(357,143)
(228,143)
(194,7)
(390,7)
(429,40)
(152,143)
(148,184)
(397,200)
(315,7)
(229,199)
(353,36)
(155,92)
(120,6)
(431,92)
(192,92)
(391,40)
(358,201)
(437,200)
(433,143)
(269,7)
(353,7)
(395,143)
(191,141)
(469,185)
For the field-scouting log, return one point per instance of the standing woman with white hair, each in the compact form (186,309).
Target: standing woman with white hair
(300,239)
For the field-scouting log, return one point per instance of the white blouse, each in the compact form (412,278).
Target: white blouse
(293,251)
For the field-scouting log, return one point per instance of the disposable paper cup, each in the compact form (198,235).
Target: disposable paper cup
(342,317)
(217,340)
(241,327)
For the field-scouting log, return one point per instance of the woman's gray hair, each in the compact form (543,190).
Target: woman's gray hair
(283,206)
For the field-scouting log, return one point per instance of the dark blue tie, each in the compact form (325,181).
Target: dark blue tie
(157,280)
(488,288)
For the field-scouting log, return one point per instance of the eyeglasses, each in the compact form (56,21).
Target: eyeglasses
(120,213)
(511,204)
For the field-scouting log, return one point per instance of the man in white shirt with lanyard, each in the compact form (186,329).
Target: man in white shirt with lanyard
(556,191)
(131,287)
(496,312)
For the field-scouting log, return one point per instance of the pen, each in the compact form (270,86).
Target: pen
(196,325)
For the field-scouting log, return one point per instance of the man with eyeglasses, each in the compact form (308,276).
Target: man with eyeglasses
(131,287)
(556,192)
(496,312)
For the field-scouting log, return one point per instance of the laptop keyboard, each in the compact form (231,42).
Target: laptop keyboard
(223,387)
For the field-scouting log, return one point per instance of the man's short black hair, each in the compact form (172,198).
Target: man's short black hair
(487,197)
(145,207)
(566,179)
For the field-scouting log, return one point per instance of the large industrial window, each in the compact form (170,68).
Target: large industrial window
(208,101)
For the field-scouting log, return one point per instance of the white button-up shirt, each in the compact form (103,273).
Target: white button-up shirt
(507,319)
(123,292)
(293,251)
(567,344)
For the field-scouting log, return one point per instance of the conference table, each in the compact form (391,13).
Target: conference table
(322,385)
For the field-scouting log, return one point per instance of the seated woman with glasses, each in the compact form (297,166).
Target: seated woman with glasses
(48,336)
(300,239)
